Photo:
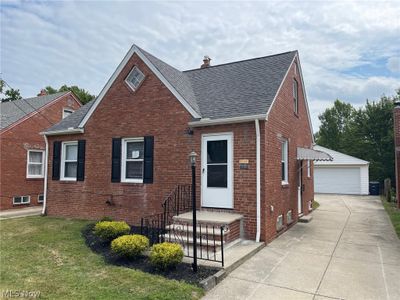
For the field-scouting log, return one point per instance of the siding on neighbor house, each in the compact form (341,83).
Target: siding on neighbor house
(14,145)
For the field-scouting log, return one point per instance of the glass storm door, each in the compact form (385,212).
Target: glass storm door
(217,177)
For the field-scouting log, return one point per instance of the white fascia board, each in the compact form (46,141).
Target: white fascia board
(211,122)
(304,93)
(63,132)
(116,73)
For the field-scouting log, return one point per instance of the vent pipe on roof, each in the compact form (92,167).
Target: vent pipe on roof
(206,62)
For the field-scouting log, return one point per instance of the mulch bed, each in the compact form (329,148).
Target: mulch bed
(183,271)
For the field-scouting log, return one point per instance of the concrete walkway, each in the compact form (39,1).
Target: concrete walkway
(348,251)
(20,212)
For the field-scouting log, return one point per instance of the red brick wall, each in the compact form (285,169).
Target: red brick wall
(14,144)
(284,123)
(397,150)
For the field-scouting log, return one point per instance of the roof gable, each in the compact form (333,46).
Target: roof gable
(14,111)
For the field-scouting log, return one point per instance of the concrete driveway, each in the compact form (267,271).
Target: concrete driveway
(348,251)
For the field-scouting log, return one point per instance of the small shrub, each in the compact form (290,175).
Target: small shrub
(109,230)
(130,246)
(166,255)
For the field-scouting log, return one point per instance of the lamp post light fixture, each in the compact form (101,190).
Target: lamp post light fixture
(192,157)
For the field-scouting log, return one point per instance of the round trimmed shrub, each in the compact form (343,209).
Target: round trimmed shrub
(109,230)
(130,246)
(166,255)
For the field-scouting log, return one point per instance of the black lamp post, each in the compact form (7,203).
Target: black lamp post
(192,157)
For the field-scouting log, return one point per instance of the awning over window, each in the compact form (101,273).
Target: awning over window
(311,154)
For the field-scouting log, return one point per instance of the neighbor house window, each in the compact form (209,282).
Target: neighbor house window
(134,78)
(34,168)
(295,96)
(284,162)
(40,198)
(69,160)
(21,200)
(132,160)
(308,168)
(67,112)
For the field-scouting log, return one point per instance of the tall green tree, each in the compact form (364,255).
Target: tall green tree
(8,94)
(83,95)
(335,125)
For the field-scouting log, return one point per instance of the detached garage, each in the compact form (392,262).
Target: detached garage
(345,174)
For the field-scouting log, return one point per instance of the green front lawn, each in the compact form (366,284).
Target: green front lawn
(394,214)
(49,255)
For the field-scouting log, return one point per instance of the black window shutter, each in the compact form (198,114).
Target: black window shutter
(56,160)
(80,176)
(148,159)
(116,160)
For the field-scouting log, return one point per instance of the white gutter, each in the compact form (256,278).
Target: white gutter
(258,172)
(45,175)
(210,122)
(63,132)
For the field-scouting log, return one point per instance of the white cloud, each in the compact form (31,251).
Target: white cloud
(55,43)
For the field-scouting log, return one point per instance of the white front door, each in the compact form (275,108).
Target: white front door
(299,187)
(217,171)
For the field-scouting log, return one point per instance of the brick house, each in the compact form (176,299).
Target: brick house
(396,117)
(248,121)
(22,148)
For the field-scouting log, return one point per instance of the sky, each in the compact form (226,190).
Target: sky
(349,50)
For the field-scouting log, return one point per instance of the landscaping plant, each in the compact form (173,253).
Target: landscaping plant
(130,246)
(166,255)
(109,230)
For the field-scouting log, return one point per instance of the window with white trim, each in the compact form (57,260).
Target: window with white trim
(35,164)
(308,168)
(284,162)
(132,160)
(67,112)
(295,96)
(21,200)
(135,78)
(40,198)
(69,160)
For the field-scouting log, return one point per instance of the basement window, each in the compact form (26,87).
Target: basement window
(40,198)
(289,218)
(135,78)
(21,200)
(279,222)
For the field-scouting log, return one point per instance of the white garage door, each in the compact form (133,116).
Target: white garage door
(337,180)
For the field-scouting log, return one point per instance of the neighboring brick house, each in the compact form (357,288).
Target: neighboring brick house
(22,148)
(396,117)
(120,155)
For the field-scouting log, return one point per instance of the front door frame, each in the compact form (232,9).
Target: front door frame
(230,149)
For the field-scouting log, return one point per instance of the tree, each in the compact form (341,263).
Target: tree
(83,95)
(335,125)
(8,94)
(366,133)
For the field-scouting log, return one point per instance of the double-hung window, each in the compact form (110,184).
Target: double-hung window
(35,164)
(295,96)
(308,168)
(132,160)
(284,162)
(69,160)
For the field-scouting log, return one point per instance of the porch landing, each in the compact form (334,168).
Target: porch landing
(210,217)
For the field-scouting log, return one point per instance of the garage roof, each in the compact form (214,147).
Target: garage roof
(338,158)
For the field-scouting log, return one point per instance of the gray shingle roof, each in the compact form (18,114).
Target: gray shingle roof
(73,120)
(12,111)
(236,89)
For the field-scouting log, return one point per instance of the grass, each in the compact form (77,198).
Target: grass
(49,255)
(394,214)
(315,205)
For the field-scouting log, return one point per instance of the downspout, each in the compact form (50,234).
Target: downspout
(258,172)
(45,175)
